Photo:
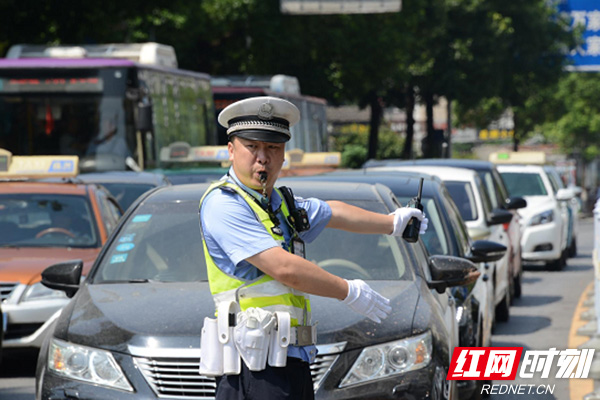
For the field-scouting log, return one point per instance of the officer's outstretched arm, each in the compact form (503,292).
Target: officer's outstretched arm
(303,275)
(298,273)
(355,219)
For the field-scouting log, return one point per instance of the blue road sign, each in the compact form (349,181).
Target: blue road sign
(586,13)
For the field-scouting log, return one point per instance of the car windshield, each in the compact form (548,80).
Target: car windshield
(434,237)
(161,242)
(127,193)
(462,194)
(46,220)
(524,184)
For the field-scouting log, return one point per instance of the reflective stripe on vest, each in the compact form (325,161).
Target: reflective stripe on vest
(264,291)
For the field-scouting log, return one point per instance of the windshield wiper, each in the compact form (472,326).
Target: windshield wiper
(137,280)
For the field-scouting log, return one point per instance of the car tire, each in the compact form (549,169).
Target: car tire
(503,309)
(518,290)
(573,248)
(559,264)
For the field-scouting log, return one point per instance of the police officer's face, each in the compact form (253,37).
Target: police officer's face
(251,157)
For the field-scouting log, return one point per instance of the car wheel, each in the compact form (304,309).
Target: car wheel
(559,264)
(573,248)
(518,285)
(503,309)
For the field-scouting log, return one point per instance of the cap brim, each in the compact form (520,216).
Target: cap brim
(261,136)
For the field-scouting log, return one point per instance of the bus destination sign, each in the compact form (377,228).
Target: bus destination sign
(67,85)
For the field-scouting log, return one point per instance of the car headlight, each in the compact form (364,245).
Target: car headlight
(391,358)
(38,291)
(542,218)
(86,364)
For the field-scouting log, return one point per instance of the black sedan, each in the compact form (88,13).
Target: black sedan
(132,329)
(446,235)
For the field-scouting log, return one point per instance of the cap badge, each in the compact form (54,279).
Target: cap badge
(265,111)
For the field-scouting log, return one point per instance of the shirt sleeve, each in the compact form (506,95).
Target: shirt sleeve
(319,214)
(229,223)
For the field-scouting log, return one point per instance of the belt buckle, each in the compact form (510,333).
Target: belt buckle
(306,335)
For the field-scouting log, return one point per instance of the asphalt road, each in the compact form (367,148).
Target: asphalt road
(540,319)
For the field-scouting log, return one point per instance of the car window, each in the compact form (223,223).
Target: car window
(46,220)
(110,214)
(459,230)
(490,189)
(127,193)
(524,184)
(500,187)
(434,238)
(463,196)
(160,242)
(553,181)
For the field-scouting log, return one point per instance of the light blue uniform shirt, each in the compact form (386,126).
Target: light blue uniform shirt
(232,234)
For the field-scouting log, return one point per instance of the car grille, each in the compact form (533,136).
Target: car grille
(178,378)
(6,288)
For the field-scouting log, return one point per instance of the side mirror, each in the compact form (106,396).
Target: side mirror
(449,271)
(63,276)
(500,216)
(143,120)
(565,194)
(486,251)
(515,203)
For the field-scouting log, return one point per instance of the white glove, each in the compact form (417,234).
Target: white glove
(403,215)
(364,300)
(424,225)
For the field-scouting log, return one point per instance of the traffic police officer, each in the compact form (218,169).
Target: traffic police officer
(254,251)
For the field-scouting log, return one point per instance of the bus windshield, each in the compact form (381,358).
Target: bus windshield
(67,112)
(114,114)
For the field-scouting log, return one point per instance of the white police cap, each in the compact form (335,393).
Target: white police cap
(265,118)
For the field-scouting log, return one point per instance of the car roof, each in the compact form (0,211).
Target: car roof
(520,168)
(446,173)
(403,182)
(343,191)
(30,186)
(150,178)
(478,165)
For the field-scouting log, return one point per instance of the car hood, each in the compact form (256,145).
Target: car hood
(25,264)
(536,205)
(118,317)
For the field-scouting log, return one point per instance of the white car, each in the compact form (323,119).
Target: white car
(573,207)
(545,220)
(483,222)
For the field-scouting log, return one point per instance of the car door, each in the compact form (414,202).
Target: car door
(444,301)
(483,289)
(563,206)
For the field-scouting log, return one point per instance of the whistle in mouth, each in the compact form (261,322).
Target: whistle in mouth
(262,176)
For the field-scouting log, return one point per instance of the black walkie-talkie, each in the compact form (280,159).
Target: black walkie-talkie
(411,232)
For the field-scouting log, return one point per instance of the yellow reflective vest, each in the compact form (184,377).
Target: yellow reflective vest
(264,291)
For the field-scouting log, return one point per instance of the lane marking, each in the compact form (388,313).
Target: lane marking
(579,387)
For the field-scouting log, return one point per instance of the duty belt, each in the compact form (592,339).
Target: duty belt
(303,335)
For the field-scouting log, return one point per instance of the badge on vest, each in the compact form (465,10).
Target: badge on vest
(277,231)
(298,247)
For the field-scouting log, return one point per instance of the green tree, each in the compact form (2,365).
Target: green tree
(575,105)
(528,40)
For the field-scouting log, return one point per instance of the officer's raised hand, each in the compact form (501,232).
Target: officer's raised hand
(402,216)
(364,300)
